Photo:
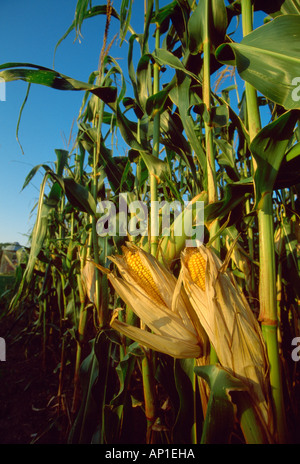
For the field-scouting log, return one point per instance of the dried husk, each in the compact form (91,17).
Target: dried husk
(232,329)
(174,332)
(88,280)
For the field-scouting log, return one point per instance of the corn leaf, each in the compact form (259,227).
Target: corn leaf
(277,7)
(125,15)
(85,423)
(33,172)
(79,196)
(235,194)
(112,166)
(181,97)
(184,428)
(220,414)
(166,58)
(269,59)
(38,235)
(217,26)
(45,76)
(118,413)
(268,149)
(61,163)
(85,14)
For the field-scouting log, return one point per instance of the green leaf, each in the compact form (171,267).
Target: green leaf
(217,25)
(166,58)
(227,158)
(195,29)
(33,172)
(143,75)
(220,414)
(292,257)
(39,231)
(293,152)
(278,7)
(157,103)
(80,11)
(232,202)
(131,70)
(79,196)
(87,417)
(80,17)
(181,96)
(20,115)
(35,74)
(268,149)
(185,383)
(61,163)
(175,140)
(125,16)
(269,59)
(112,166)
(164,13)
(120,405)
(129,131)
(155,166)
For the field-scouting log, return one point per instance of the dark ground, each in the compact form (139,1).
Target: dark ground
(28,393)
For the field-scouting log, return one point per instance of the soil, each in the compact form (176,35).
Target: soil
(28,392)
(29,412)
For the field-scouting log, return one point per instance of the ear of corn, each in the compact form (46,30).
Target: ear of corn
(148,288)
(181,317)
(230,325)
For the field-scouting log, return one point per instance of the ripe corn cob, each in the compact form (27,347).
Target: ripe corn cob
(142,275)
(196,265)
(159,300)
(231,326)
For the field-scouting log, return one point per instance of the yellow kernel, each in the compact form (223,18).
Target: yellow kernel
(196,265)
(142,275)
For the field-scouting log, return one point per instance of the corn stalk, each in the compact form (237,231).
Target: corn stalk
(267,268)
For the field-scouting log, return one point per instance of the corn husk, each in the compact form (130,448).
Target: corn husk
(232,329)
(173,330)
(88,281)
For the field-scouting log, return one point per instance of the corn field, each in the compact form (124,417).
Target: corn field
(148,340)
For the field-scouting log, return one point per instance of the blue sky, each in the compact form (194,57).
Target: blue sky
(29,32)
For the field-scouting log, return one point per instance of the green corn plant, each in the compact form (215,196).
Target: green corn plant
(185,143)
(263,190)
